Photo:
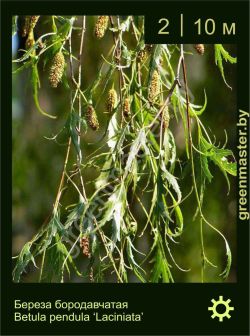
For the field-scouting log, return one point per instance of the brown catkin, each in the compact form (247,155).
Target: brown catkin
(84,244)
(91,274)
(25,26)
(30,41)
(165,117)
(199,48)
(56,69)
(101,26)
(92,118)
(29,24)
(154,87)
(112,100)
(33,22)
(143,53)
(126,107)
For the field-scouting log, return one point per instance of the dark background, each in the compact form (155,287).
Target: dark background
(183,306)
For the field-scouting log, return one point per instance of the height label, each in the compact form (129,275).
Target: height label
(183,25)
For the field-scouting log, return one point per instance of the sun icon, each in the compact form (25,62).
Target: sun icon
(221,305)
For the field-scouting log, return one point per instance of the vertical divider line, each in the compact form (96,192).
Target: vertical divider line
(181,24)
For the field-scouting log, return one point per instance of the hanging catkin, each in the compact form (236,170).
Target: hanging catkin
(56,69)
(92,118)
(101,26)
(144,53)
(165,117)
(154,87)
(25,26)
(33,22)
(84,244)
(29,24)
(30,41)
(112,100)
(200,48)
(126,107)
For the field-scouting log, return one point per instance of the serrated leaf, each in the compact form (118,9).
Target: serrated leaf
(204,162)
(71,125)
(171,179)
(220,55)
(139,142)
(54,227)
(136,268)
(179,221)
(219,157)
(74,215)
(54,261)
(114,210)
(160,271)
(24,258)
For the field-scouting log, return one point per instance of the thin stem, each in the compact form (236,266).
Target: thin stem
(58,196)
(42,264)
(79,159)
(134,29)
(107,251)
(118,45)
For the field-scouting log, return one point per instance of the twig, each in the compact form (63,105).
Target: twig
(117,41)
(107,250)
(171,91)
(79,159)
(187,96)
(62,177)
(134,29)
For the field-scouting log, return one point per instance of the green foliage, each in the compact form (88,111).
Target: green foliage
(220,157)
(24,258)
(222,55)
(138,157)
(55,256)
(160,271)
(35,86)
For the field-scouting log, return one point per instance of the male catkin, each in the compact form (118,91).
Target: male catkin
(144,53)
(33,22)
(165,117)
(29,24)
(200,48)
(84,244)
(126,107)
(112,100)
(92,118)
(154,87)
(56,69)
(101,26)
(30,41)
(25,26)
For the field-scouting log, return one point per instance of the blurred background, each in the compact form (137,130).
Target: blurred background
(38,162)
